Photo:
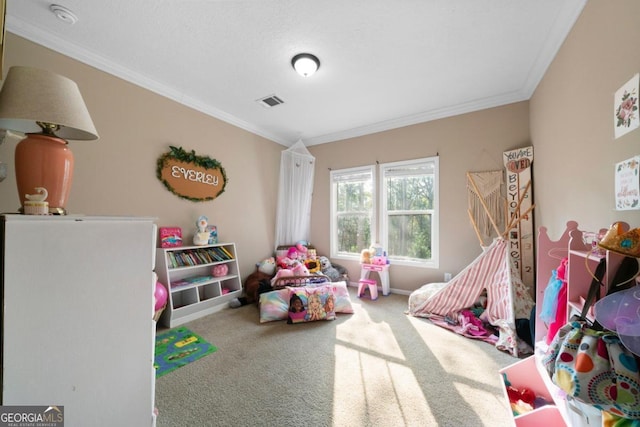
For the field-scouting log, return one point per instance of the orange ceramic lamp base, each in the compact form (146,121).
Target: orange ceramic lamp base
(44,161)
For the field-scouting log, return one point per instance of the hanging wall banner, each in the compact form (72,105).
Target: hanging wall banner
(191,177)
(521,239)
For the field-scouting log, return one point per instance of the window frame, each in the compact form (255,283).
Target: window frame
(333,226)
(434,262)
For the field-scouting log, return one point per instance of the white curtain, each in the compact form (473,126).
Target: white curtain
(294,195)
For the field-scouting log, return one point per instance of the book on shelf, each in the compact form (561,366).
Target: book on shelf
(170,237)
(178,283)
(214,254)
(193,257)
(190,281)
(171,260)
(199,279)
(220,253)
(229,254)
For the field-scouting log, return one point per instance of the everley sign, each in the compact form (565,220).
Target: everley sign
(191,177)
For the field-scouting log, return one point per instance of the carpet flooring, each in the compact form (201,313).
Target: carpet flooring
(375,367)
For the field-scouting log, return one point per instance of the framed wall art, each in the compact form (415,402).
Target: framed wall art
(627,184)
(625,117)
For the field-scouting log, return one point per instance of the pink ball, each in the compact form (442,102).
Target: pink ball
(219,270)
(160,295)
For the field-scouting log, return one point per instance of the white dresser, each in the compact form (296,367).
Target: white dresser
(77,317)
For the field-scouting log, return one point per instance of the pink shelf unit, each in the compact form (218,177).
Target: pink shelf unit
(524,374)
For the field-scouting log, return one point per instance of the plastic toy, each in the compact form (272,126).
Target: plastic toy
(379,260)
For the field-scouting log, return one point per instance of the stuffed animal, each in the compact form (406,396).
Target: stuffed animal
(267,266)
(312,265)
(283,272)
(292,253)
(328,270)
(300,269)
(301,246)
(201,236)
(365,256)
(256,283)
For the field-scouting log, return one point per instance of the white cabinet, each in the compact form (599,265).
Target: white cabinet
(194,289)
(77,317)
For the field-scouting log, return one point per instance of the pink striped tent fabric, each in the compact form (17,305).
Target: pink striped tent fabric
(492,271)
(489,271)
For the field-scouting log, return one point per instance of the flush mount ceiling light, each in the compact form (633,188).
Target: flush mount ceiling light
(305,64)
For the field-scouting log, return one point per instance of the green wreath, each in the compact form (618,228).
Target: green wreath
(178,153)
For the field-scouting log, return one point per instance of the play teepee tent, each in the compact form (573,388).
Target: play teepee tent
(506,299)
(491,284)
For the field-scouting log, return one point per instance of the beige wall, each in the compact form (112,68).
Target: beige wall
(117,174)
(470,142)
(568,121)
(572,126)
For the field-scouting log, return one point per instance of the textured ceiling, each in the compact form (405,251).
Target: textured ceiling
(384,63)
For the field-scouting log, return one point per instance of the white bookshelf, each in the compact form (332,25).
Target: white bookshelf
(193,290)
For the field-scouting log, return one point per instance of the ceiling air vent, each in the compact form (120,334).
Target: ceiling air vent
(270,101)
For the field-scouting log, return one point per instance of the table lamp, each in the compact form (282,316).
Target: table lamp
(49,109)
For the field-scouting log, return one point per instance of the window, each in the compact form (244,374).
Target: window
(408,211)
(352,210)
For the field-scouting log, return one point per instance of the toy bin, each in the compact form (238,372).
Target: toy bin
(525,375)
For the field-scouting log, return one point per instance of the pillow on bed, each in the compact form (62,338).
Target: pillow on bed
(274,305)
(309,304)
(343,300)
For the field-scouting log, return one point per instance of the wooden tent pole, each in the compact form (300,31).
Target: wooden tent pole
(475,227)
(484,205)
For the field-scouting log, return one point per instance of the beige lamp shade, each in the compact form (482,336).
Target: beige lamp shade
(30,95)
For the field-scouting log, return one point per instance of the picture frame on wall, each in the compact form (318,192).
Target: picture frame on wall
(625,118)
(627,184)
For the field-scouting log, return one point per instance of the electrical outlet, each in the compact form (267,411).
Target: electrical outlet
(447,277)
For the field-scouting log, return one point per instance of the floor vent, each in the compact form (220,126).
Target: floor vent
(270,101)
